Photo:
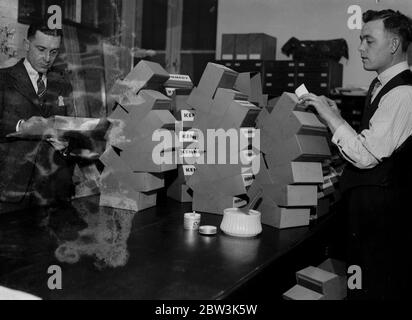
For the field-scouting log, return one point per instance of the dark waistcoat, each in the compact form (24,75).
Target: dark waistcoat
(394,171)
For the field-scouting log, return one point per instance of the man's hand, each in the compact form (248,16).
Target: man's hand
(326,108)
(35,125)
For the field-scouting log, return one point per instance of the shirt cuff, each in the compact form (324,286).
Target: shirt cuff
(343,132)
(18,125)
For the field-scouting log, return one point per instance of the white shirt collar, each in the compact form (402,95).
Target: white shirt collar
(393,71)
(33,74)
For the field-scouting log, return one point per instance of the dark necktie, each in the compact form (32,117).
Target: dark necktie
(372,89)
(367,111)
(41,87)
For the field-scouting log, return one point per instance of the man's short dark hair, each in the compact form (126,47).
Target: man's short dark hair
(394,22)
(42,27)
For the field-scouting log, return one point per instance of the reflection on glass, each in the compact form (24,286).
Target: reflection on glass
(105,238)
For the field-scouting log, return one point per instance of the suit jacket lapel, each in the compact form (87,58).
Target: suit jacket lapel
(23,84)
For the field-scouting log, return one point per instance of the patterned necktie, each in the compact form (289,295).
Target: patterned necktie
(376,86)
(41,87)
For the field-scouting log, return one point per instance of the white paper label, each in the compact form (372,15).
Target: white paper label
(189,170)
(180,77)
(301,90)
(189,153)
(247,179)
(187,136)
(187,115)
(241,57)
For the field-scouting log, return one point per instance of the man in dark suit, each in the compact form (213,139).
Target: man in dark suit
(34,171)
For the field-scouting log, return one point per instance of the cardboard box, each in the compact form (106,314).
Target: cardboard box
(216,76)
(326,283)
(179,192)
(296,173)
(200,101)
(146,74)
(239,114)
(282,218)
(228,46)
(223,98)
(133,201)
(154,120)
(262,47)
(251,85)
(292,195)
(215,203)
(297,148)
(138,154)
(179,81)
(117,180)
(301,293)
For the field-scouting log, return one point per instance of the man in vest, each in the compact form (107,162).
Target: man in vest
(377,179)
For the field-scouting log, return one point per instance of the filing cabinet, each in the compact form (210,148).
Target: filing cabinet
(319,76)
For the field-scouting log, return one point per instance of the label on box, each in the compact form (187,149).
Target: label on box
(187,136)
(180,77)
(254,56)
(247,179)
(189,153)
(227,56)
(238,202)
(187,115)
(188,170)
(170,92)
(241,57)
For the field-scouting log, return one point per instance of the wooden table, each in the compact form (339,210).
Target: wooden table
(147,255)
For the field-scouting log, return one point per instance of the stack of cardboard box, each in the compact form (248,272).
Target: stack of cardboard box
(325,282)
(328,191)
(178,89)
(221,178)
(141,141)
(294,144)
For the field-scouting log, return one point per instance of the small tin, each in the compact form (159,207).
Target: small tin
(192,221)
(208,230)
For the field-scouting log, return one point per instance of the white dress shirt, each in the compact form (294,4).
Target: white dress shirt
(389,127)
(34,77)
